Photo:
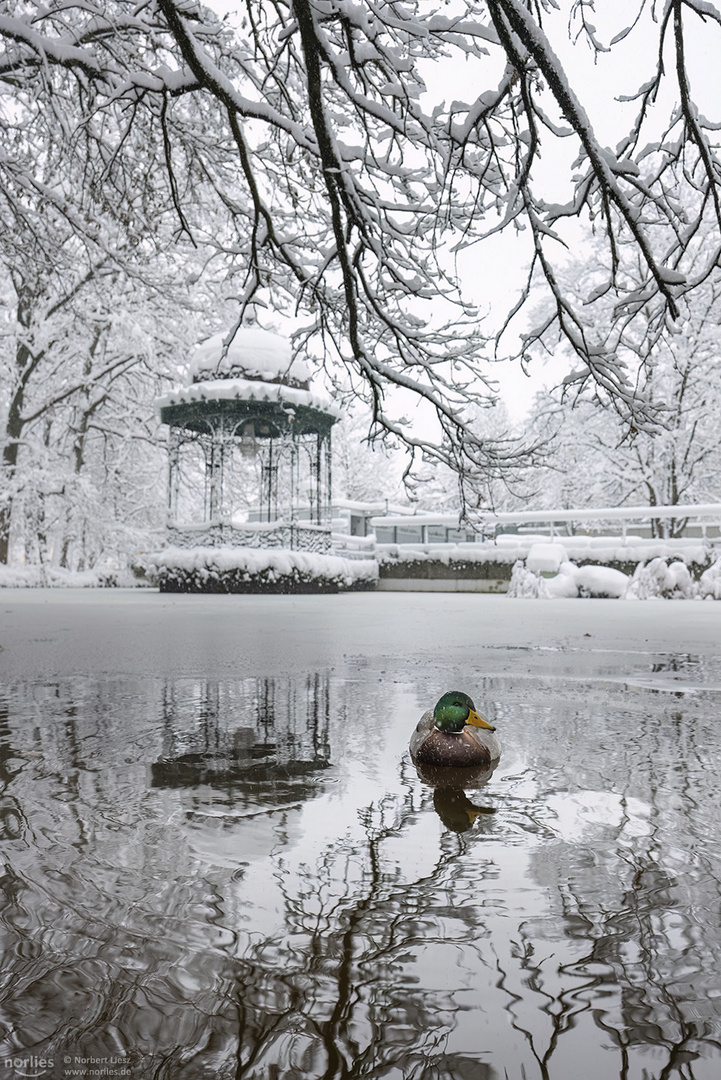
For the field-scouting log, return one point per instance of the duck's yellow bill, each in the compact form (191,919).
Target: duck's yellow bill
(477,720)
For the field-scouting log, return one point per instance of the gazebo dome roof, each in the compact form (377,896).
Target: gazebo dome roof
(257,368)
(254,354)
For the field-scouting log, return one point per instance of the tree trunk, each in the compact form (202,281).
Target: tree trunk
(15,422)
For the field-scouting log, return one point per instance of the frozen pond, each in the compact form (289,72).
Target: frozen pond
(219,861)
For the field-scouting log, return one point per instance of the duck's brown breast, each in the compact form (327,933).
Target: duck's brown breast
(457,750)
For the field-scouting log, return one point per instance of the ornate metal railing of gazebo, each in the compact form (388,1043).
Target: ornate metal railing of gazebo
(275,534)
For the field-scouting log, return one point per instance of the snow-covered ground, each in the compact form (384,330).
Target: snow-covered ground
(70,631)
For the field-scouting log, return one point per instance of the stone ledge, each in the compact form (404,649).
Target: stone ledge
(442,584)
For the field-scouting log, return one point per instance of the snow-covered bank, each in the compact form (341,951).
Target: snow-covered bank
(656,580)
(546,573)
(54,577)
(241,569)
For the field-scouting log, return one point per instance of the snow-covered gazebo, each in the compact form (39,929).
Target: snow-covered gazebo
(249,505)
(249,448)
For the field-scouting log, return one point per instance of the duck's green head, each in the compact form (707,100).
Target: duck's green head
(455,710)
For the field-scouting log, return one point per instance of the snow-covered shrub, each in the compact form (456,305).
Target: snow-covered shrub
(19,577)
(570,581)
(659,579)
(529,585)
(545,558)
(563,586)
(709,585)
(600,581)
(526,585)
(241,569)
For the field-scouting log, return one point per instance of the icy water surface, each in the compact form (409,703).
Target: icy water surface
(245,876)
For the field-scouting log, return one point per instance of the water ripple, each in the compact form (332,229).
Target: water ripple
(212,879)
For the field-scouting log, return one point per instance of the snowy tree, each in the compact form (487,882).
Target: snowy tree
(439,488)
(599,461)
(80,436)
(83,345)
(90,296)
(364,470)
(95,290)
(351,181)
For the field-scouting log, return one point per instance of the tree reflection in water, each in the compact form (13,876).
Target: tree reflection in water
(214,880)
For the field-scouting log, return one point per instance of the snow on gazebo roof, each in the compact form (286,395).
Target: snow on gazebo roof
(254,353)
(258,365)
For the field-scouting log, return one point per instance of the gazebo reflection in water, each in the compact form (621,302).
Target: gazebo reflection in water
(261,740)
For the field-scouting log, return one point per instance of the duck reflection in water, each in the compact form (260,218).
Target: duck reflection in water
(453,806)
(453,748)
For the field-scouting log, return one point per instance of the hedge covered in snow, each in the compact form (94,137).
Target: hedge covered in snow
(510,548)
(240,569)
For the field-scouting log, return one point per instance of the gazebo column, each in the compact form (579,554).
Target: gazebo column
(269,484)
(318,481)
(174,442)
(327,455)
(214,462)
(294,454)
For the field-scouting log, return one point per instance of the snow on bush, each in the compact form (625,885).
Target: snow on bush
(449,554)
(563,585)
(709,585)
(508,549)
(570,581)
(600,581)
(241,569)
(529,585)
(655,580)
(525,585)
(659,579)
(546,558)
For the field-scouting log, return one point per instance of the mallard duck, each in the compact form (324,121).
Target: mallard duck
(454,735)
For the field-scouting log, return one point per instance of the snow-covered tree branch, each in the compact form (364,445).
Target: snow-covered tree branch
(318,158)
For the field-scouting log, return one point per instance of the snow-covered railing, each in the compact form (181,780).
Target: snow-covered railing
(703,514)
(252,534)
(421,529)
(353,547)
(445,528)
